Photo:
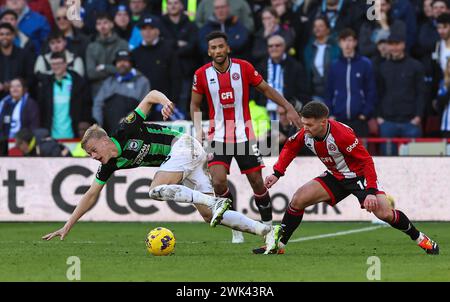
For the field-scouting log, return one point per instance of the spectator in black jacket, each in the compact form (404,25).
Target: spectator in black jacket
(283,73)
(402,94)
(17,111)
(122,22)
(182,34)
(156,59)
(64,99)
(21,40)
(38,143)
(14,61)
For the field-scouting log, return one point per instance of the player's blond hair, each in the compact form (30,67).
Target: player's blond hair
(95,131)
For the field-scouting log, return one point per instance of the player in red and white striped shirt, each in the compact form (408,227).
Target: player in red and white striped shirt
(226,83)
(350,170)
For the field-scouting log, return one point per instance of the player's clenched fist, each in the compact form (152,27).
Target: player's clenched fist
(270,181)
(371,203)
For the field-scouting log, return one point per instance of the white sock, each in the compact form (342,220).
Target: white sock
(240,222)
(179,193)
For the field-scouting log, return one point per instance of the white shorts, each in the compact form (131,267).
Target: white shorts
(188,156)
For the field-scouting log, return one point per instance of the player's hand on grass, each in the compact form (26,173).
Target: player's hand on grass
(59,233)
(371,203)
(270,181)
(167,110)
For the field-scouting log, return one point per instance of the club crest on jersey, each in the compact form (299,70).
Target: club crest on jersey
(332,147)
(134,145)
(236,76)
(130,118)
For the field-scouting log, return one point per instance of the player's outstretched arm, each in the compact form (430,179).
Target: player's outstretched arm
(155,97)
(273,95)
(86,202)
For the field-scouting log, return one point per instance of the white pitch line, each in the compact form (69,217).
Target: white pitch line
(342,233)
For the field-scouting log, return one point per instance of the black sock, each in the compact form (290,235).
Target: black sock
(264,205)
(291,220)
(402,223)
(228,195)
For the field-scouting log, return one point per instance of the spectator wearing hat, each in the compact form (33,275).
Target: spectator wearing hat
(119,93)
(32,24)
(14,61)
(351,86)
(64,99)
(374,31)
(401,90)
(21,40)
(100,53)
(77,41)
(17,111)
(57,43)
(157,60)
(122,22)
(183,36)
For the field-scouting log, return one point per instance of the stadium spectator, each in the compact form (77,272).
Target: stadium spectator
(305,11)
(64,99)
(32,24)
(382,53)
(443,102)
(183,35)
(372,31)
(223,20)
(320,52)
(404,11)
(138,8)
(78,151)
(42,7)
(157,60)
(100,53)
(271,27)
(190,8)
(351,86)
(21,40)
(17,111)
(283,73)
(238,8)
(442,45)
(122,22)
(284,12)
(401,91)
(77,41)
(91,9)
(428,32)
(14,61)
(38,143)
(340,14)
(58,43)
(120,93)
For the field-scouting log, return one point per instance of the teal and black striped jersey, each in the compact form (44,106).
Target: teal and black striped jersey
(139,144)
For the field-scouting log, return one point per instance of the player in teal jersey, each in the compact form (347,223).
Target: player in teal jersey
(181,160)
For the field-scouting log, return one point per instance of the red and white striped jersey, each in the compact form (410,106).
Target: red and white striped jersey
(228,99)
(340,151)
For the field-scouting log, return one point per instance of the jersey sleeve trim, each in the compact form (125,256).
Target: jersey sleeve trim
(141,113)
(119,148)
(99,181)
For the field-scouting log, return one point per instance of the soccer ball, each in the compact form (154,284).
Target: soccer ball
(160,242)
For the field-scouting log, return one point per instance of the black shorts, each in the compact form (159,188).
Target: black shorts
(247,155)
(340,189)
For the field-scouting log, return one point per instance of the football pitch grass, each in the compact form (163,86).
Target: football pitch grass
(117,252)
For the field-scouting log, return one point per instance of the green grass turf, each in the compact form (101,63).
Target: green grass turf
(116,252)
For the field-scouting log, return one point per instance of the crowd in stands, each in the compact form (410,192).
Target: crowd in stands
(382,68)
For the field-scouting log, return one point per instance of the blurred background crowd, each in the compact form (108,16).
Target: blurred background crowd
(380,65)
